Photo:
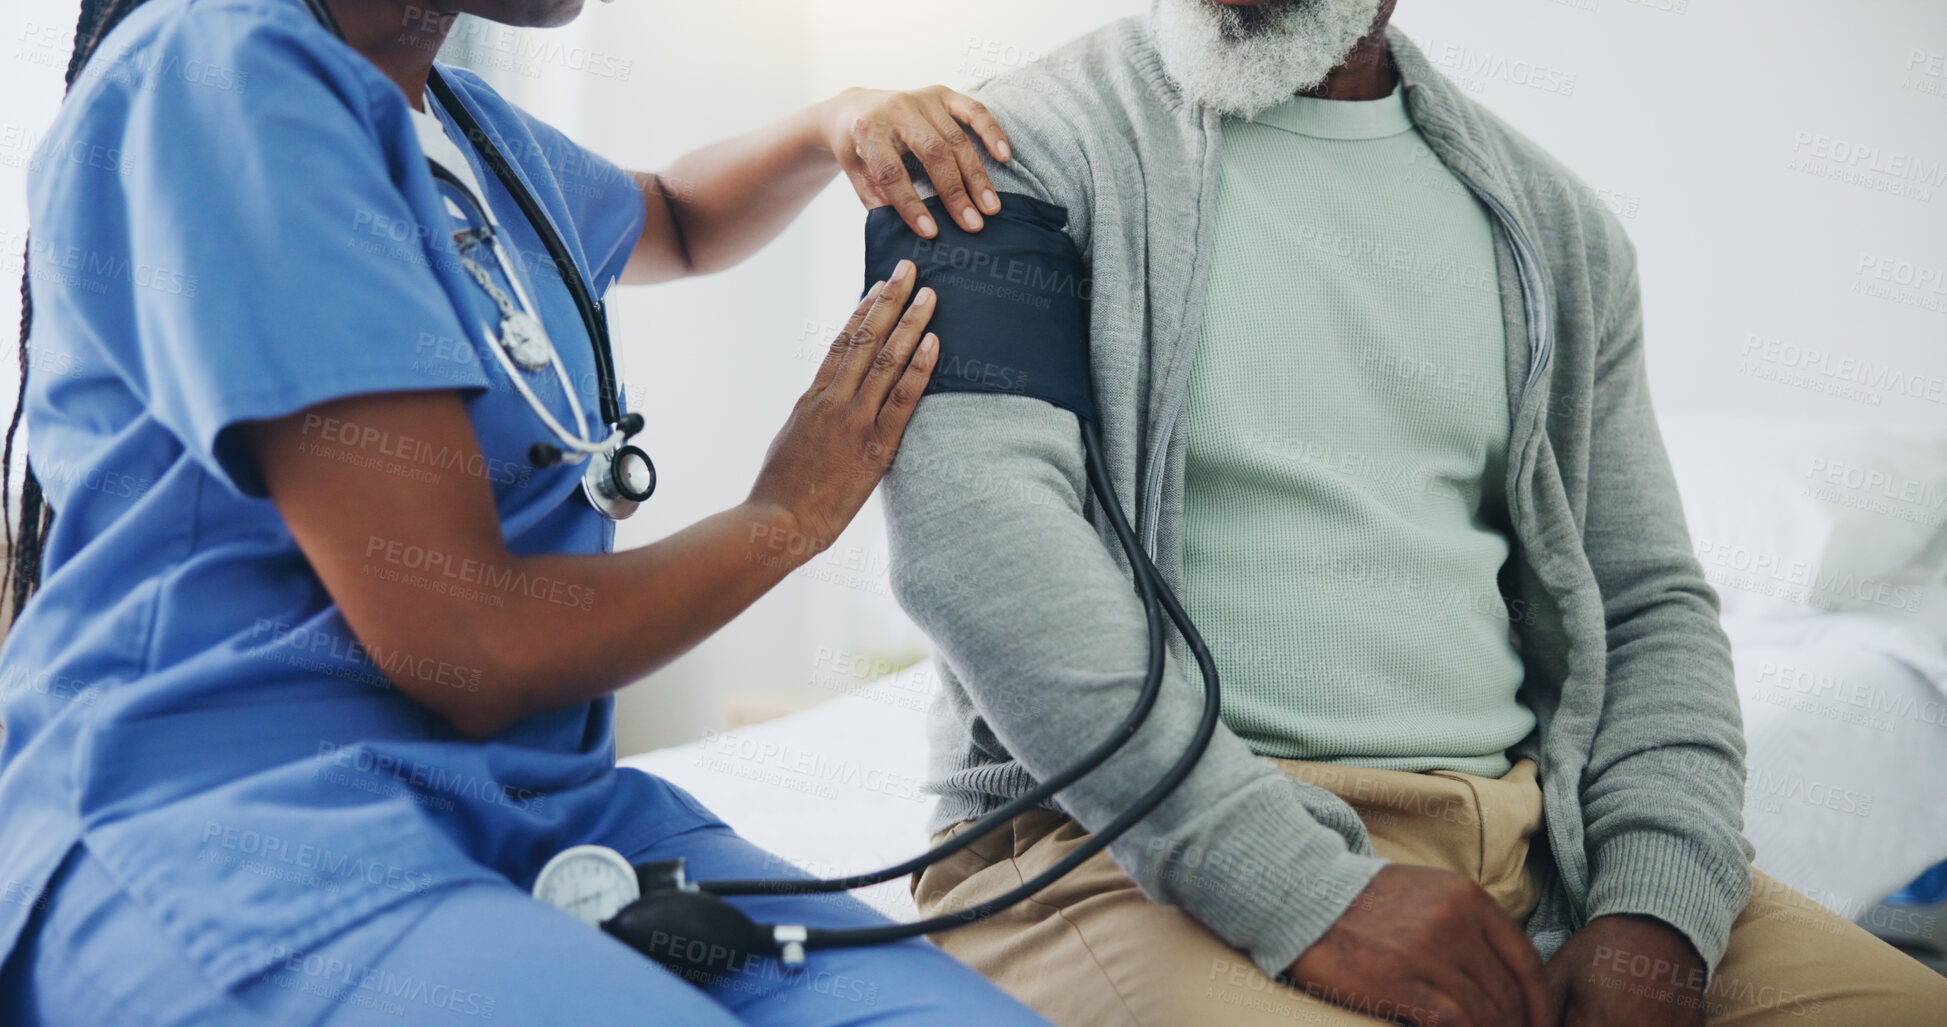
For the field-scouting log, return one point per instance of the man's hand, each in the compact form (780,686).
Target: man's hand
(1428,947)
(1620,971)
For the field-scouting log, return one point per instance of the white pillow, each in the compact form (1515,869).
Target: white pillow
(1795,517)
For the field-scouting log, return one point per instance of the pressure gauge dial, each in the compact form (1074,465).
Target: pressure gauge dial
(588,882)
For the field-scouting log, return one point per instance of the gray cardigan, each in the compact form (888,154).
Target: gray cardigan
(1000,557)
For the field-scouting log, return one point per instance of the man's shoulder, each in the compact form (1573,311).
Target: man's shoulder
(1081,118)
(1555,192)
(1578,229)
(1077,63)
(1088,92)
(1567,208)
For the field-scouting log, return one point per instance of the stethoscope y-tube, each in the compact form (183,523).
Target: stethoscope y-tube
(620,476)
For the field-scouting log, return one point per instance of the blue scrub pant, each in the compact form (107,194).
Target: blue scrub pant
(485,954)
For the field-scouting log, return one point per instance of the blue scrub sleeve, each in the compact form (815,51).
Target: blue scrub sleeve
(285,266)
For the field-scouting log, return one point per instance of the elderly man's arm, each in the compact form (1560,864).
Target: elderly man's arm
(1663,793)
(993,556)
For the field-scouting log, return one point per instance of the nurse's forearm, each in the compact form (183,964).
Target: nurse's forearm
(584,626)
(718,205)
(421,570)
(713,208)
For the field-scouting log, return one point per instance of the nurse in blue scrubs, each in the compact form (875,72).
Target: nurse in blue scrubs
(319,670)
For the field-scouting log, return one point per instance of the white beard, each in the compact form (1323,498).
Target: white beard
(1244,61)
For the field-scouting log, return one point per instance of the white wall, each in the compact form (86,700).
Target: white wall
(1710,123)
(1707,123)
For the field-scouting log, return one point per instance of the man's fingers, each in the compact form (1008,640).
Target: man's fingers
(1502,1001)
(1461,983)
(905,394)
(972,113)
(1517,952)
(858,347)
(887,175)
(890,362)
(1555,980)
(972,174)
(1433,1007)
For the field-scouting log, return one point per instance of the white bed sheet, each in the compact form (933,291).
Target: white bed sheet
(1844,714)
(1845,717)
(835,789)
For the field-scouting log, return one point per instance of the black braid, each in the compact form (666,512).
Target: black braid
(27,545)
(23,571)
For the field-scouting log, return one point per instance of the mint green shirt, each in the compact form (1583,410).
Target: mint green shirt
(1347,440)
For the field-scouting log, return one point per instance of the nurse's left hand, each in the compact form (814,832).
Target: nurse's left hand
(870,130)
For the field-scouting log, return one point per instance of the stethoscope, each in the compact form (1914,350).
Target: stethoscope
(620,475)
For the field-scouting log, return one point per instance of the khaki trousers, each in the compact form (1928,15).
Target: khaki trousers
(1091,950)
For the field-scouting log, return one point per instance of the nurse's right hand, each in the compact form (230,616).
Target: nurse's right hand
(843,432)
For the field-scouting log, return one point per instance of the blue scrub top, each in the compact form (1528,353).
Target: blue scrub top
(261,234)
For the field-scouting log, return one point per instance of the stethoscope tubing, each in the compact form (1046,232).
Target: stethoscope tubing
(1154,592)
(589,309)
(586,305)
(578,443)
(999,817)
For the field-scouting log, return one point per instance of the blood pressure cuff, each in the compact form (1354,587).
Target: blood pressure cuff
(1012,308)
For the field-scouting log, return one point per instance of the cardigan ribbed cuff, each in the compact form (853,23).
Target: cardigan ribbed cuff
(1674,879)
(1268,879)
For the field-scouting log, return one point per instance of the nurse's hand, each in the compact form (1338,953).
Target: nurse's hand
(870,130)
(843,432)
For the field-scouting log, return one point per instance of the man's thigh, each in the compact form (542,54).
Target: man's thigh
(1092,950)
(1792,961)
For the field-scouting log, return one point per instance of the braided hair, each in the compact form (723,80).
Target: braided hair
(23,570)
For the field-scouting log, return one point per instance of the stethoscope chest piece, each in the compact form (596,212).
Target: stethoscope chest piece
(619,480)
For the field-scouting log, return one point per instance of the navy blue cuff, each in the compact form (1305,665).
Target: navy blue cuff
(1012,314)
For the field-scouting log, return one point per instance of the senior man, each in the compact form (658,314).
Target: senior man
(1370,373)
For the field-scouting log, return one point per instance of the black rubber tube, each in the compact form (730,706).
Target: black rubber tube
(998,818)
(1154,590)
